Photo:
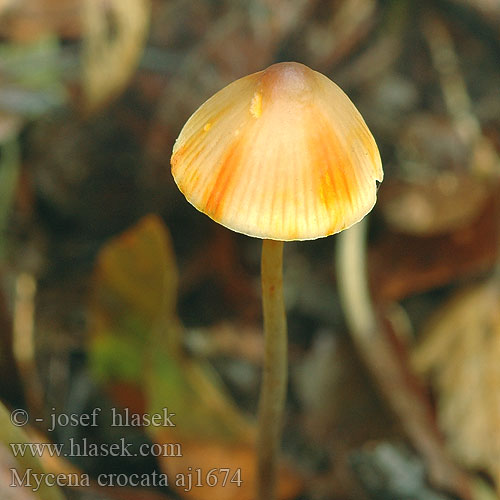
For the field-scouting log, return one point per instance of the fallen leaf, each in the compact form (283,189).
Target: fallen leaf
(7,463)
(439,205)
(11,434)
(136,335)
(137,269)
(114,37)
(401,265)
(207,462)
(460,352)
(137,343)
(28,20)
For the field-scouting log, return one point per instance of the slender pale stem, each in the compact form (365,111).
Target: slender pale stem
(273,389)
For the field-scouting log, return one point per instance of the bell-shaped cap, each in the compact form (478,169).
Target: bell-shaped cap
(280,154)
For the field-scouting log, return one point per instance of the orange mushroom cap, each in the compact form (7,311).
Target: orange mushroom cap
(281,154)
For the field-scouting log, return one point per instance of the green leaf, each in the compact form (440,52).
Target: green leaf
(11,434)
(137,336)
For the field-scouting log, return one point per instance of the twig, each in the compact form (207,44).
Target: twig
(387,362)
(24,342)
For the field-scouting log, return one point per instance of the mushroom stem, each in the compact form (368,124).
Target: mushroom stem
(273,388)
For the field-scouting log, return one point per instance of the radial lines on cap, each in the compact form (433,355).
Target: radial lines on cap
(218,193)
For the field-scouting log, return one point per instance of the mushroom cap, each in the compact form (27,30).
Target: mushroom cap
(281,154)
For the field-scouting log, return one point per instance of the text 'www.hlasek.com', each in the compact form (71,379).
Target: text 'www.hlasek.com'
(74,447)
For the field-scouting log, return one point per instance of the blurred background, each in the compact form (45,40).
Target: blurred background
(116,293)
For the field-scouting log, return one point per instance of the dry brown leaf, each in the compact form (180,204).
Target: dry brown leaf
(136,336)
(139,268)
(447,203)
(136,349)
(208,456)
(402,265)
(460,352)
(115,33)
(29,20)
(7,463)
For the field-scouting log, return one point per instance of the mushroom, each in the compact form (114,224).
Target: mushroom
(281,155)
